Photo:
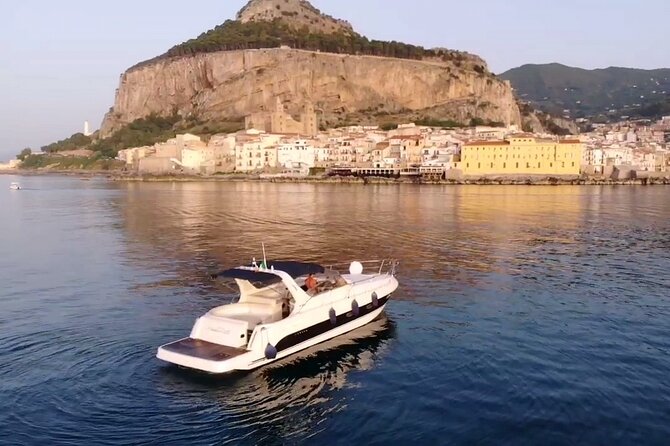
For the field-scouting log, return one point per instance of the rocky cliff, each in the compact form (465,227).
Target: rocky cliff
(228,85)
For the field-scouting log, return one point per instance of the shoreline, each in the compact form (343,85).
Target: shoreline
(518,180)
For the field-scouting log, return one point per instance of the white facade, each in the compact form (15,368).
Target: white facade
(324,155)
(594,157)
(194,158)
(645,161)
(255,155)
(618,156)
(134,155)
(296,154)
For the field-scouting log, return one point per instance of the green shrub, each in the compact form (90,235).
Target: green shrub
(74,142)
(233,35)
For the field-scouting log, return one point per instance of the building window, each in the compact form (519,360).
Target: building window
(479,165)
(491,165)
(527,165)
(517,165)
(467,165)
(539,165)
(504,165)
(573,164)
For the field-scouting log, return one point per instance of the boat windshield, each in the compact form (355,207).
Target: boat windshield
(293,269)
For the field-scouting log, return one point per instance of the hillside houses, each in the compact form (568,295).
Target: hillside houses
(406,148)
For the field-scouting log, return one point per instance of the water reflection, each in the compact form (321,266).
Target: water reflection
(446,232)
(524,314)
(290,398)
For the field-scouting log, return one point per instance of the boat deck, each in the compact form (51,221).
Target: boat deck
(204,350)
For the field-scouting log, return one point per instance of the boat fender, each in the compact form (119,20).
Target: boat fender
(354,308)
(333,317)
(375,300)
(270,352)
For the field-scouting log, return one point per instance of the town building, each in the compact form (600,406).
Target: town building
(522,155)
(279,121)
(256,151)
(296,153)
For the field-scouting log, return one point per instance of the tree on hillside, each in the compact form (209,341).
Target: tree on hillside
(25,153)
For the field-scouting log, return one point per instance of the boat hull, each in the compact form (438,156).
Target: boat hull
(194,354)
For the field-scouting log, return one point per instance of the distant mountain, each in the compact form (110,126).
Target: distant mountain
(610,91)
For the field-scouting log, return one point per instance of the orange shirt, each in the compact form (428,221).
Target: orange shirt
(310,282)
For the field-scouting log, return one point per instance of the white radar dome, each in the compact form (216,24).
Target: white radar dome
(356,268)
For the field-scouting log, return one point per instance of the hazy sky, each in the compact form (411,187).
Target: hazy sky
(60,61)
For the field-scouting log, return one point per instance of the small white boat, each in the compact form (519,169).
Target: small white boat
(276,316)
(15,186)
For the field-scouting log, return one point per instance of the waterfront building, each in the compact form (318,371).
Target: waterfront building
(133,156)
(409,148)
(297,153)
(324,157)
(593,160)
(616,155)
(194,158)
(251,155)
(522,155)
(645,160)
(256,150)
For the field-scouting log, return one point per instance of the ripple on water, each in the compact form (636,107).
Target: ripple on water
(524,316)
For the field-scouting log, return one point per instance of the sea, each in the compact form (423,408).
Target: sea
(526,315)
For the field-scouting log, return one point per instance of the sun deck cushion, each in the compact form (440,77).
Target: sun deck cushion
(252,313)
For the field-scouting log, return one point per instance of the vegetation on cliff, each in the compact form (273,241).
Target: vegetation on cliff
(74,142)
(141,132)
(56,162)
(234,35)
(154,129)
(25,153)
(536,121)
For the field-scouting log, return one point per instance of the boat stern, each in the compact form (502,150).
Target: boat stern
(203,355)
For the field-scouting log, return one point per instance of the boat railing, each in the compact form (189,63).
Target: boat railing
(384,266)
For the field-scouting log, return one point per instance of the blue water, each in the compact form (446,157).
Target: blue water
(526,315)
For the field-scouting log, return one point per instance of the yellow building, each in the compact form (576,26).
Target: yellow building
(522,155)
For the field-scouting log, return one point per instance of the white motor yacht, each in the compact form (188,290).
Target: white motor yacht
(276,315)
(15,186)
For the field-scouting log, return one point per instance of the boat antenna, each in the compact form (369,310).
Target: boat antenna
(265,260)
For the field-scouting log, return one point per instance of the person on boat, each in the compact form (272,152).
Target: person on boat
(311,283)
